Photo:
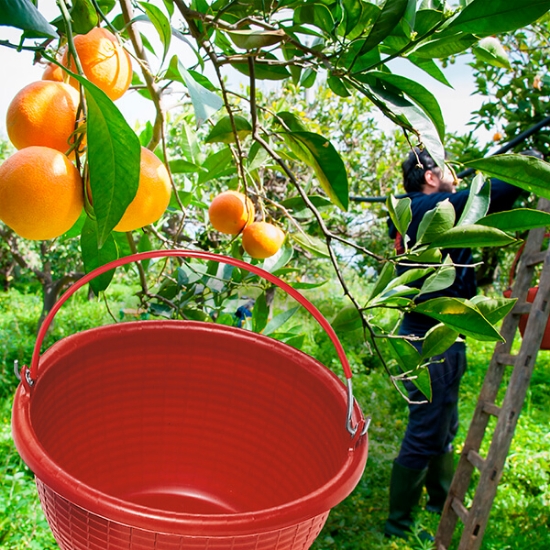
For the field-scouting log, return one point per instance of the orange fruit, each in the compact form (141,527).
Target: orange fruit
(262,240)
(230,212)
(104,62)
(152,197)
(40,193)
(497,136)
(53,72)
(43,113)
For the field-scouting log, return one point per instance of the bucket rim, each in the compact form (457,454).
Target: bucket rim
(115,509)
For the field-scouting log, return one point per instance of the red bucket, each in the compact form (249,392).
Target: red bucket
(186,435)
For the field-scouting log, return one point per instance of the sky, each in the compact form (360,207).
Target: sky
(456,104)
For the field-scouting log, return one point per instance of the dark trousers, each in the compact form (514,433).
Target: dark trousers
(432,426)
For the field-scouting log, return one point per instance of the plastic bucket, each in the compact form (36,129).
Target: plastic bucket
(186,435)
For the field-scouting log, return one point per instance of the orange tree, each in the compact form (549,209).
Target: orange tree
(286,165)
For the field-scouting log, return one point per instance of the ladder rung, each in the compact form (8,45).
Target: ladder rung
(522,308)
(476,460)
(460,510)
(534,258)
(506,359)
(491,408)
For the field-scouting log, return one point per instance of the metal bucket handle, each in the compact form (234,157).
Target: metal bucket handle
(29,376)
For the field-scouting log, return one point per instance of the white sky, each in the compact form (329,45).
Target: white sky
(456,104)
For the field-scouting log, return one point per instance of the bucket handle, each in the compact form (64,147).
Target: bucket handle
(29,376)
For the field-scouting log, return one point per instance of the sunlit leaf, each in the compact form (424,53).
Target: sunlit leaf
(94,255)
(320,155)
(491,51)
(205,102)
(436,222)
(519,219)
(472,236)
(419,94)
(114,154)
(83,16)
(493,309)
(222,132)
(161,24)
(529,173)
(400,213)
(478,201)
(460,315)
(312,244)
(437,341)
(497,16)
(279,320)
(255,39)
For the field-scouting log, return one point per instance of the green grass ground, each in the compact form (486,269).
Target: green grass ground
(520,517)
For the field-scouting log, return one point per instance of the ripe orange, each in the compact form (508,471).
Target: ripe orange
(53,72)
(262,240)
(43,113)
(152,197)
(230,212)
(40,193)
(497,136)
(104,62)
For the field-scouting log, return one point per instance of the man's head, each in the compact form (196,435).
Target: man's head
(420,173)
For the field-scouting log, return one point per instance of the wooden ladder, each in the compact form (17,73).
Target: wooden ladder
(475,518)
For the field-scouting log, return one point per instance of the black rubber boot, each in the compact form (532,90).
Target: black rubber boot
(438,480)
(405,491)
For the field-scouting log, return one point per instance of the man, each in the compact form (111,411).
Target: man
(426,454)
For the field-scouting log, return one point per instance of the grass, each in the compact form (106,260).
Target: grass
(520,515)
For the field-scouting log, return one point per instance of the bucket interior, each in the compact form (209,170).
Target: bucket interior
(190,417)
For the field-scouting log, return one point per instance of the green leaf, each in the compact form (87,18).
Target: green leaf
(260,313)
(264,68)
(420,95)
(254,39)
(319,154)
(478,201)
(297,203)
(83,16)
(404,353)
(278,260)
(114,154)
(470,236)
(436,222)
(352,14)
(205,103)
(218,165)
(290,121)
(443,278)
(445,47)
(347,319)
(490,50)
(430,67)
(493,309)
(337,86)
(497,16)
(94,255)
(279,320)
(400,214)
(519,219)
(426,20)
(317,15)
(386,276)
(416,118)
(180,166)
(437,341)
(529,173)
(312,244)
(22,14)
(222,132)
(420,377)
(392,12)
(161,24)
(460,315)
